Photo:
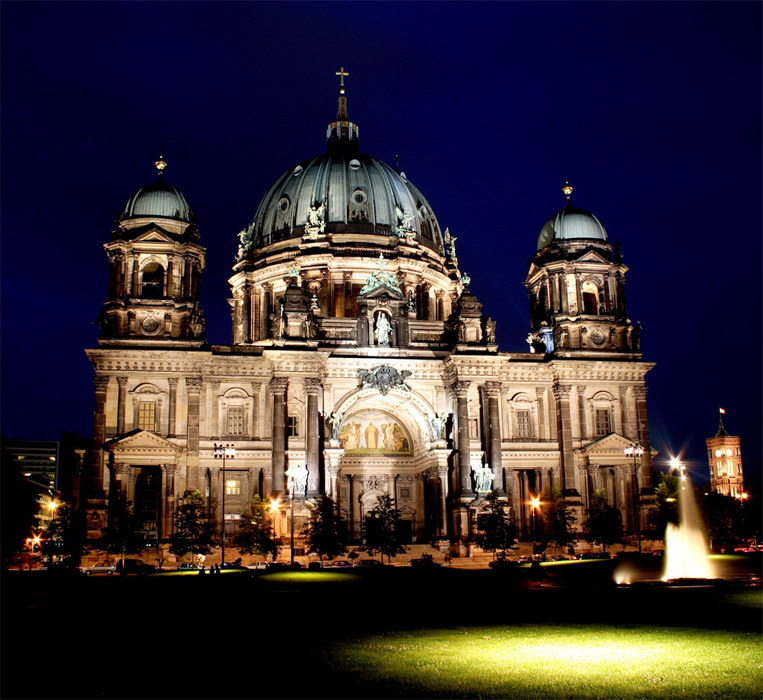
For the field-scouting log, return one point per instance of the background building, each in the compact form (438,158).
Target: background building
(724,455)
(360,354)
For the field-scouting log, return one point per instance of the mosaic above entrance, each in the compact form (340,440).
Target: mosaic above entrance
(374,432)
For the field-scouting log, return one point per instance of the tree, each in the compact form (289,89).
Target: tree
(496,529)
(123,533)
(323,531)
(18,507)
(666,495)
(558,519)
(193,531)
(382,533)
(65,535)
(604,522)
(255,534)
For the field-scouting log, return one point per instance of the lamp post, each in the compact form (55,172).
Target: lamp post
(534,505)
(227,451)
(635,450)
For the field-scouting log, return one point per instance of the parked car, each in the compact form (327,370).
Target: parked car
(258,565)
(135,566)
(187,566)
(369,563)
(236,566)
(425,563)
(339,564)
(104,567)
(283,566)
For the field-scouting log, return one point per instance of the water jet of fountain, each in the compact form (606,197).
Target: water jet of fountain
(686,552)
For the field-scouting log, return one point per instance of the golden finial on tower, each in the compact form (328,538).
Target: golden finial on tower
(160,164)
(567,189)
(342,75)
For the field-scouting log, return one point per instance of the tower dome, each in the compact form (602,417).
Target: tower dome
(158,199)
(571,223)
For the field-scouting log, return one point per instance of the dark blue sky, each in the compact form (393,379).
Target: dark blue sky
(651,110)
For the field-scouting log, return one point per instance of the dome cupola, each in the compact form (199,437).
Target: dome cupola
(571,223)
(158,200)
(341,196)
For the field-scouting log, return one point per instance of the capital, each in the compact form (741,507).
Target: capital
(561,391)
(278,385)
(122,381)
(101,382)
(461,388)
(312,385)
(193,384)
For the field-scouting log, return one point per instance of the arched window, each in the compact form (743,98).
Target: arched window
(152,284)
(590,298)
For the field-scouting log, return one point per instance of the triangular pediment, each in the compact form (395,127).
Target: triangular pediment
(592,255)
(155,235)
(612,445)
(141,441)
(383,290)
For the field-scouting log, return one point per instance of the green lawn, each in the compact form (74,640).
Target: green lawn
(570,661)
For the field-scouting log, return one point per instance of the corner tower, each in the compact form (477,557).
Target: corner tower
(155,266)
(576,288)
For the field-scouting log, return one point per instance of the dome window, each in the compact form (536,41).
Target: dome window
(359,197)
(354,164)
(297,171)
(283,204)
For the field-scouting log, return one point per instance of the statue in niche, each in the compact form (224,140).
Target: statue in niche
(483,478)
(547,337)
(490,331)
(334,422)
(297,479)
(438,425)
(315,223)
(383,329)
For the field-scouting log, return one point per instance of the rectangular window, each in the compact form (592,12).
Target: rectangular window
(147,415)
(232,487)
(523,424)
(603,424)
(234,420)
(292,426)
(474,428)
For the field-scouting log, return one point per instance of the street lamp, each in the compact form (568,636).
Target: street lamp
(635,451)
(227,451)
(534,506)
(273,511)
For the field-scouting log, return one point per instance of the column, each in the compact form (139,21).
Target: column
(135,278)
(172,419)
(278,386)
(122,384)
(442,476)
(214,410)
(312,387)
(193,387)
(580,390)
(461,389)
(564,428)
(168,500)
(523,501)
(99,436)
(645,470)
(491,393)
(579,292)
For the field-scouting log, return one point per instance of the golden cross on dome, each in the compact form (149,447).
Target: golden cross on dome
(342,75)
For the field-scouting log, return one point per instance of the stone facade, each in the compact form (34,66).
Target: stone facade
(359,351)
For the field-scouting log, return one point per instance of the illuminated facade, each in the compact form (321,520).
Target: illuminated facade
(724,455)
(359,352)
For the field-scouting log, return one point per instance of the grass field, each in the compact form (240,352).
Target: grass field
(552,661)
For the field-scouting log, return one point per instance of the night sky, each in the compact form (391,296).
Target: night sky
(652,111)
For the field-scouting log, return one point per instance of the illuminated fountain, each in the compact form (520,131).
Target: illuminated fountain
(686,552)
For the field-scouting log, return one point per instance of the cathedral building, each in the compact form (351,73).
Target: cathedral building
(361,363)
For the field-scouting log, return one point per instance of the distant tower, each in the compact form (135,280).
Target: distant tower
(725,457)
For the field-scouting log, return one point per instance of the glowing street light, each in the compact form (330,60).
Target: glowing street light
(534,507)
(227,451)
